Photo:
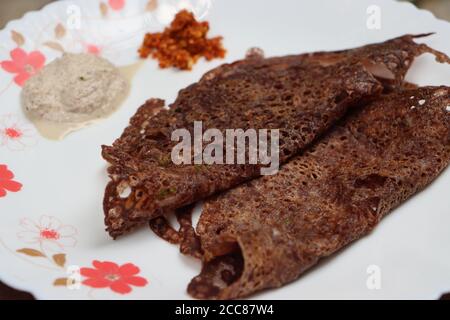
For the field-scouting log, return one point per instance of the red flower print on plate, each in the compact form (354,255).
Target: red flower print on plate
(23,64)
(6,181)
(15,134)
(49,232)
(108,274)
(116,4)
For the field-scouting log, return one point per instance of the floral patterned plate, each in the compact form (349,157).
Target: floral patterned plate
(52,238)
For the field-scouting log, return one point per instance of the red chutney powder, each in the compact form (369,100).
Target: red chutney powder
(182,43)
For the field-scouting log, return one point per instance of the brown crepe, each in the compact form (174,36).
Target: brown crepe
(267,232)
(277,93)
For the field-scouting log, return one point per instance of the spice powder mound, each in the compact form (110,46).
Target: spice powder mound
(182,43)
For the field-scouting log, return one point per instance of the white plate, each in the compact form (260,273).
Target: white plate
(63,182)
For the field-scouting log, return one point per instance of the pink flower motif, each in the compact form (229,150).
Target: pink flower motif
(6,181)
(116,4)
(108,274)
(93,49)
(16,135)
(49,232)
(23,64)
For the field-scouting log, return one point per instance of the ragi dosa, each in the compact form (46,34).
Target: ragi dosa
(302,96)
(267,232)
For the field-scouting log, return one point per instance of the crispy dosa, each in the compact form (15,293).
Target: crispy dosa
(267,232)
(300,95)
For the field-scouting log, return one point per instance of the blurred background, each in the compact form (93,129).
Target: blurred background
(14,9)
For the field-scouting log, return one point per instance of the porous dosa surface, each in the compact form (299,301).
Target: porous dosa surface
(301,95)
(268,231)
